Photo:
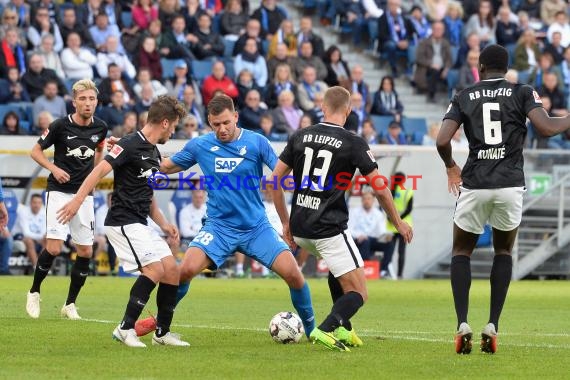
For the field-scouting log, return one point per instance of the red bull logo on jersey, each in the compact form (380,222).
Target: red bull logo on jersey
(227,165)
(82,152)
(147,173)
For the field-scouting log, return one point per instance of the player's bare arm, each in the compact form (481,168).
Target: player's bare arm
(169,167)
(386,201)
(67,212)
(39,156)
(99,153)
(169,229)
(546,125)
(3,216)
(448,129)
(280,171)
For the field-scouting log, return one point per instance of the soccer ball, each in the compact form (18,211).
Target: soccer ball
(286,327)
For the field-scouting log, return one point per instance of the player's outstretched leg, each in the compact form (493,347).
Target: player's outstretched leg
(79,273)
(43,266)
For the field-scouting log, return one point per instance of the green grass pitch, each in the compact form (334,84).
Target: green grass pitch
(407,328)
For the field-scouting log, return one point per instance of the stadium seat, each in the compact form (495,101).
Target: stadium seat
(167,67)
(230,72)
(381,124)
(127,19)
(415,128)
(228,48)
(180,198)
(11,203)
(5,108)
(201,69)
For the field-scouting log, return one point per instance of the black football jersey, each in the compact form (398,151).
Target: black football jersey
(74,150)
(493,113)
(134,161)
(324,158)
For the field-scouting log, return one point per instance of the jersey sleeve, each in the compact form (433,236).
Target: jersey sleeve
(267,153)
(186,158)
(49,137)
(362,156)
(119,154)
(530,99)
(287,155)
(454,110)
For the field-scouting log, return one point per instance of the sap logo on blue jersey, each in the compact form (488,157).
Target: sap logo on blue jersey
(227,165)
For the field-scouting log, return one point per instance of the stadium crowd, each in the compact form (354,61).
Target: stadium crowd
(275,68)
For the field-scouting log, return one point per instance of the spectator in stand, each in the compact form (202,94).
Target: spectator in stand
(421,25)
(42,26)
(353,16)
(433,61)
(42,123)
(286,116)
(306,121)
(527,54)
(386,101)
(150,57)
(266,123)
(233,20)
(436,9)
(11,19)
(565,71)
(144,77)
(483,23)
(188,129)
(175,43)
(545,65)
(11,124)
(357,114)
(395,135)
(507,32)
(369,134)
(50,101)
(306,58)
(113,83)
(252,61)
(308,87)
(14,89)
(51,58)
(245,82)
(395,34)
(367,225)
(357,84)
(181,79)
(555,48)
(531,8)
(551,89)
(22,10)
(192,106)
(431,137)
(70,25)
(453,21)
(37,75)
(282,80)
(218,81)
(143,12)
(168,10)
(561,25)
(270,15)
(191,11)
(31,227)
(280,58)
(191,216)
(102,30)
(250,114)
(306,33)
(472,42)
(114,113)
(88,11)
(469,73)
(129,125)
(284,35)
(550,9)
(205,43)
(12,53)
(316,113)
(338,73)
(252,30)
(114,55)
(77,62)
(145,99)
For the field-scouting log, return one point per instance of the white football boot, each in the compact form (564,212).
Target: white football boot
(70,312)
(168,339)
(33,305)
(128,337)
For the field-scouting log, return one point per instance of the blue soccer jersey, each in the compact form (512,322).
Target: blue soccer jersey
(232,173)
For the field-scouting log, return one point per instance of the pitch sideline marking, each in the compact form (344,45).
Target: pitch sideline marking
(367,333)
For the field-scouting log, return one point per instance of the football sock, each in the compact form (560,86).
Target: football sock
(182,290)
(79,274)
(343,309)
(166,302)
(500,279)
(43,266)
(460,284)
(140,293)
(301,299)
(337,292)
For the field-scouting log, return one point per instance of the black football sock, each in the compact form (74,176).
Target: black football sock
(337,292)
(166,302)
(343,309)
(500,279)
(43,266)
(460,285)
(140,293)
(79,274)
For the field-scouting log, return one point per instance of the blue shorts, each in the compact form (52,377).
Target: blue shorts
(219,242)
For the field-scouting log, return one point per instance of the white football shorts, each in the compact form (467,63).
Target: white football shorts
(81,226)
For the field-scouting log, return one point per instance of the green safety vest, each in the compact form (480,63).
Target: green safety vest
(401,200)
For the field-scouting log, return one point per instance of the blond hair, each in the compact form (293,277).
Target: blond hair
(84,85)
(457,6)
(337,99)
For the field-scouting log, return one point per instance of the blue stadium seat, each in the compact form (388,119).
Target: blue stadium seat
(201,69)
(167,67)
(415,128)
(228,48)
(127,19)
(452,81)
(5,108)
(229,64)
(11,202)
(381,124)
(98,199)
(179,199)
